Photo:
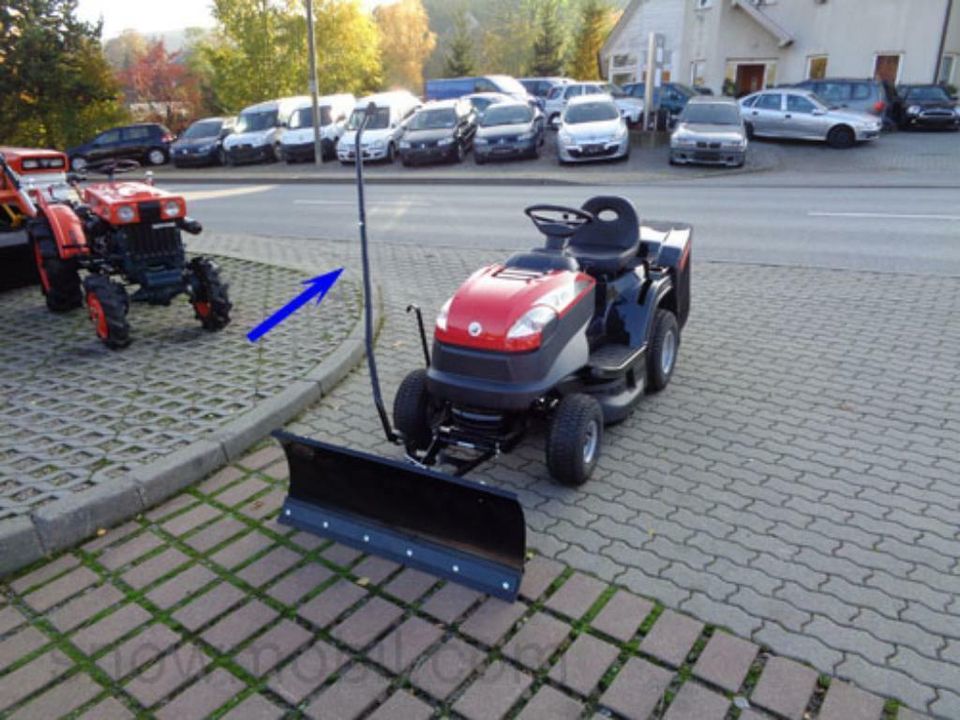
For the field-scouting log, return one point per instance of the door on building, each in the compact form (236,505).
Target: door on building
(749,79)
(887,68)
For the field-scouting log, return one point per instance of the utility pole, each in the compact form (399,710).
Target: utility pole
(312,50)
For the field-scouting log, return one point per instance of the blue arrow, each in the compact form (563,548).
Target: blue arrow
(317,288)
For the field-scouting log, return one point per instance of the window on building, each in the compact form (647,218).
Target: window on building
(887,68)
(947,66)
(816,67)
(702,4)
(698,73)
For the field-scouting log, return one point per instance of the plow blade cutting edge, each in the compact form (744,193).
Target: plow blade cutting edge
(450,527)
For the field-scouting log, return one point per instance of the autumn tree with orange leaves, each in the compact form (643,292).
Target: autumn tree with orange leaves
(164,82)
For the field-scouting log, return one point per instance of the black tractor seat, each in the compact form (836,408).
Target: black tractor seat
(609,245)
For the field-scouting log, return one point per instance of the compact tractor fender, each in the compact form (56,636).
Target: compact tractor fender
(67,230)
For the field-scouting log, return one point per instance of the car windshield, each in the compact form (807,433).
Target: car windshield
(379,121)
(202,129)
(510,85)
(256,120)
(710,114)
(614,90)
(591,112)
(434,119)
(303,117)
(927,94)
(507,115)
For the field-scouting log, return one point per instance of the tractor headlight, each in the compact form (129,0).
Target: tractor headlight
(526,332)
(126,214)
(171,208)
(442,316)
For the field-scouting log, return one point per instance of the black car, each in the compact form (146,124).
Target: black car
(928,106)
(147,143)
(201,143)
(441,130)
(509,130)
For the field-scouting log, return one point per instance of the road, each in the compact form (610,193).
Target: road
(884,229)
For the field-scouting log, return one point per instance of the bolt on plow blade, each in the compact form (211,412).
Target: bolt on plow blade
(453,528)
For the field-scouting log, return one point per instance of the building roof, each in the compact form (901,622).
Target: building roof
(783,37)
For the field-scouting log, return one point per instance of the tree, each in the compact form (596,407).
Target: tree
(163,80)
(348,47)
(406,41)
(596,21)
(460,56)
(547,57)
(56,88)
(125,49)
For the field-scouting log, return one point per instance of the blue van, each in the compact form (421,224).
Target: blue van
(452,88)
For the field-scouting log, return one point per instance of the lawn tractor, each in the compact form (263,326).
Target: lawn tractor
(125,230)
(572,334)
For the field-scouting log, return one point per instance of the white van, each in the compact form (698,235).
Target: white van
(297,138)
(382,134)
(256,135)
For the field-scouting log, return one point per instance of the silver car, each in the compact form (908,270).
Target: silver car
(801,115)
(709,130)
(592,128)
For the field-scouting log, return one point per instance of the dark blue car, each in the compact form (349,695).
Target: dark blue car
(201,143)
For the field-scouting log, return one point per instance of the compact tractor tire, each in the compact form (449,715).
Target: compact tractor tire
(59,278)
(664,344)
(107,303)
(411,411)
(574,438)
(210,297)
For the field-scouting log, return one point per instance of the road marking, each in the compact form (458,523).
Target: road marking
(884,216)
(226,192)
(373,205)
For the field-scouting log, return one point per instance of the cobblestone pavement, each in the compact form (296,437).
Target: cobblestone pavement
(796,483)
(73,413)
(207,608)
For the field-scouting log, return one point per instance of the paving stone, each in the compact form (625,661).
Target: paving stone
(341,555)
(584,663)
(273,647)
(785,688)
(725,661)
(180,586)
(637,689)
(622,616)
(263,457)
(671,637)
(306,672)
(109,536)
(402,706)
(450,602)
(398,650)
(350,695)
(63,588)
(446,668)
(255,707)
(136,652)
(191,519)
(154,568)
(220,479)
(240,551)
(27,679)
(331,603)
(61,699)
(695,702)
(551,704)
(21,643)
(491,621)
(491,695)
(93,638)
(240,492)
(204,608)
(271,565)
(44,573)
(367,623)
(230,631)
(290,589)
(215,533)
(846,702)
(538,574)
(83,607)
(10,619)
(536,641)
(164,510)
(374,569)
(107,709)
(308,541)
(410,584)
(116,556)
(167,674)
(576,595)
(203,697)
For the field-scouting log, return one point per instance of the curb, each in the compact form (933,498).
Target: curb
(67,522)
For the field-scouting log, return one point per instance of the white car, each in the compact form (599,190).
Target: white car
(630,107)
(297,138)
(256,134)
(592,128)
(382,134)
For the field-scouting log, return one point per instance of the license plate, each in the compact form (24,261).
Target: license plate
(593,149)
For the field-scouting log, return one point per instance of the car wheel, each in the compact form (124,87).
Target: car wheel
(107,304)
(749,129)
(222,157)
(391,153)
(574,439)
(554,121)
(478,159)
(278,152)
(156,157)
(841,137)
(664,344)
(78,163)
(460,154)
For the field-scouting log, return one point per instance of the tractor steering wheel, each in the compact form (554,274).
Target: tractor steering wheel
(113,167)
(558,220)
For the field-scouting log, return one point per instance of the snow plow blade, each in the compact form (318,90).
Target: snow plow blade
(456,529)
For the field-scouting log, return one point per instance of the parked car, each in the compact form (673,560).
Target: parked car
(256,135)
(710,130)
(202,142)
(384,130)
(296,139)
(671,97)
(928,106)
(508,130)
(592,128)
(147,143)
(876,97)
(451,88)
(801,115)
(540,87)
(630,107)
(481,101)
(438,131)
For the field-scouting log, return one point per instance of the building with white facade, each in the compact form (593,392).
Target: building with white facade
(744,45)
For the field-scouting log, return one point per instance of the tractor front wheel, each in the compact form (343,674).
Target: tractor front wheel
(574,438)
(59,278)
(209,297)
(107,303)
(412,410)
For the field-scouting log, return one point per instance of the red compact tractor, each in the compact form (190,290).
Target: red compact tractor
(124,230)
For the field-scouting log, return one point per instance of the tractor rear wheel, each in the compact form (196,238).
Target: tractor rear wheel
(210,297)
(59,278)
(412,410)
(574,438)
(107,303)
(664,344)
